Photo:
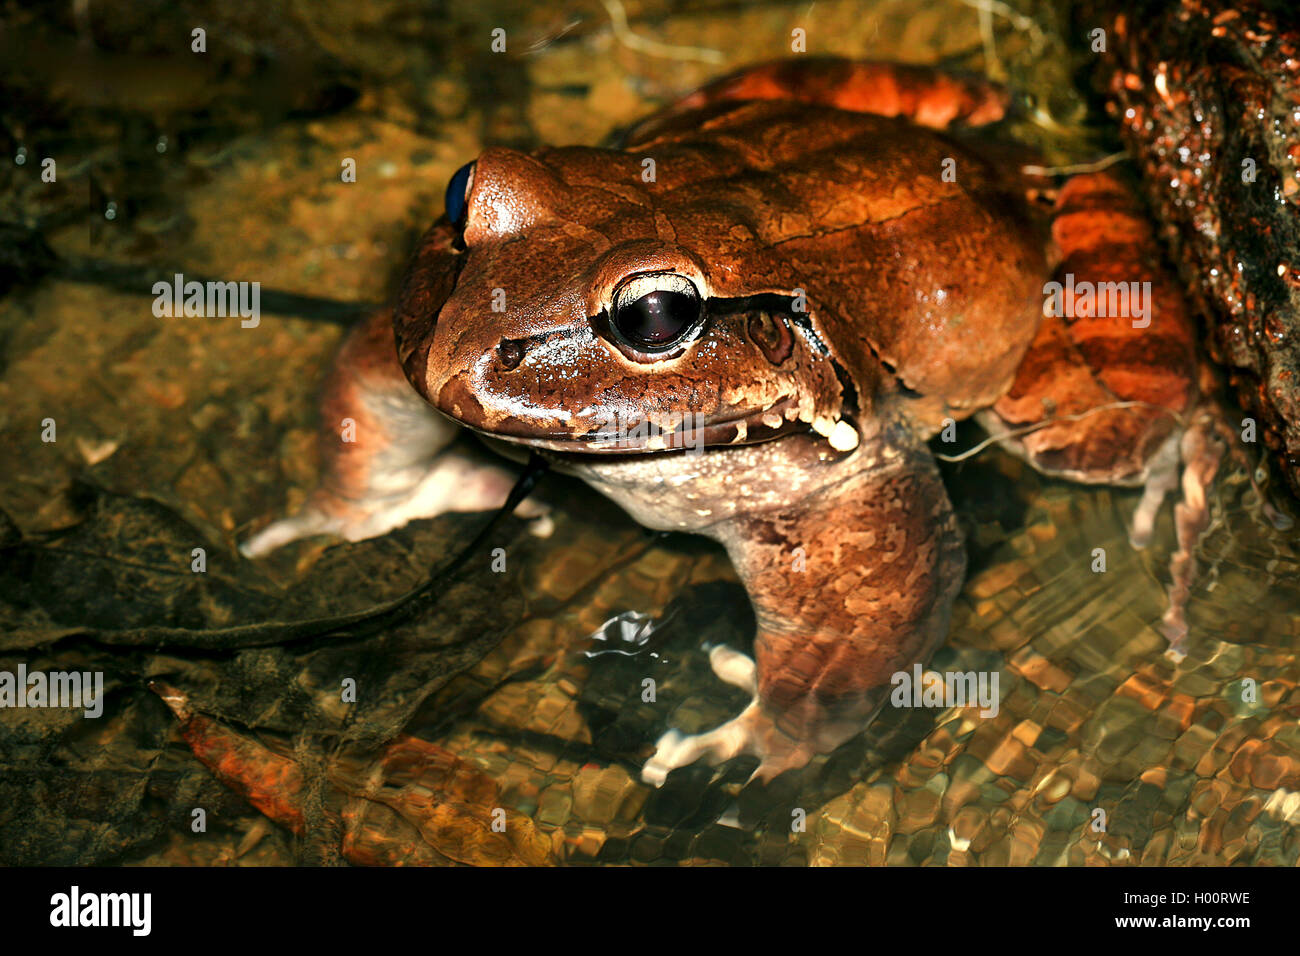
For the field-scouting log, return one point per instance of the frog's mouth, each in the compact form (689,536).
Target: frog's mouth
(613,435)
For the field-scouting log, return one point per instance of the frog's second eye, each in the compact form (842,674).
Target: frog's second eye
(655,312)
(456,202)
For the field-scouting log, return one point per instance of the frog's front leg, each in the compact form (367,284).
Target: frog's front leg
(384,454)
(851,584)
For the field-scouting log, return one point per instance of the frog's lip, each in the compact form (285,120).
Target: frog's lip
(744,429)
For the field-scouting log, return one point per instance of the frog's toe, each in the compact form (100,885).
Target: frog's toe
(734,668)
(542,525)
(1279,519)
(668,756)
(1173,625)
(277,534)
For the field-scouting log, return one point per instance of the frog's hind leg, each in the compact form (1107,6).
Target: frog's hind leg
(1112,395)
(384,454)
(924,95)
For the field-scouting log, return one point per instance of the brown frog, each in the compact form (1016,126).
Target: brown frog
(747,324)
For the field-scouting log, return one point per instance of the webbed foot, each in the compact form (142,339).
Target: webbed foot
(453,482)
(1201,450)
(386,455)
(752,733)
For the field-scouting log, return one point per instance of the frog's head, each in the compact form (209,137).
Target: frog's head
(565,303)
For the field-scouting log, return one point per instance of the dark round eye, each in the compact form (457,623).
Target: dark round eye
(456,202)
(655,312)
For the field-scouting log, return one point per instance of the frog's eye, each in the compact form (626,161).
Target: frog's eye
(655,312)
(456,202)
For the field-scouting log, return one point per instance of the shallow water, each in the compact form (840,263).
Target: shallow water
(220,172)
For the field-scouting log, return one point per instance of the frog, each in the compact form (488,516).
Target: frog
(750,320)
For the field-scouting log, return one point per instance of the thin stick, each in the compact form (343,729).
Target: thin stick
(1017,19)
(1094,167)
(1026,429)
(634,41)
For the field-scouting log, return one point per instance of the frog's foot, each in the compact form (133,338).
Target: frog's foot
(753,732)
(453,482)
(1202,451)
(1189,458)
(385,455)
(1202,448)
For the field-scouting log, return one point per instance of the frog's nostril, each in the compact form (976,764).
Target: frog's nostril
(511,353)
(771,334)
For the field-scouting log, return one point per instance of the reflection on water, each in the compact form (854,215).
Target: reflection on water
(1186,763)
